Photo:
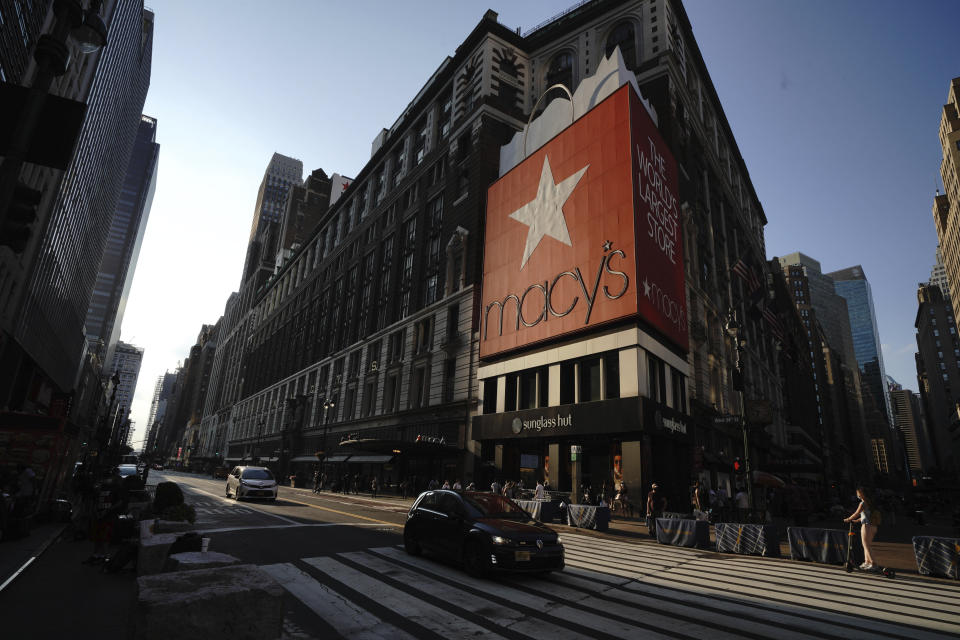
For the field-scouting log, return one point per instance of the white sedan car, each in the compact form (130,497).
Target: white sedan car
(251,482)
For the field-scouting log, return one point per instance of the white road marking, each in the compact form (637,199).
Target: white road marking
(343,615)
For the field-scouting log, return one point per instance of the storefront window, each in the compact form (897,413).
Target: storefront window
(543,380)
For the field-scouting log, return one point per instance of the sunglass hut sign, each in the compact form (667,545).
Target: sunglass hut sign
(585,231)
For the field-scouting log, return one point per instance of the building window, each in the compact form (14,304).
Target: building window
(656,379)
(423,337)
(419,392)
(351,403)
(560,71)
(510,395)
(353,367)
(391,393)
(567,383)
(395,346)
(543,383)
(624,36)
(446,112)
(611,370)
(528,389)
(680,391)
(449,379)
(490,396)
(589,380)
(369,397)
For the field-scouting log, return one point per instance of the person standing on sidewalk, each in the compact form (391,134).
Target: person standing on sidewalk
(656,504)
(869,518)
(374,485)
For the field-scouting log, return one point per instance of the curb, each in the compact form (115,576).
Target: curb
(39,552)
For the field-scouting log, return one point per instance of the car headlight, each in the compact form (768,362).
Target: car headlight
(559,541)
(500,540)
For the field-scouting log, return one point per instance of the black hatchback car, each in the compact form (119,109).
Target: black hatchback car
(484,531)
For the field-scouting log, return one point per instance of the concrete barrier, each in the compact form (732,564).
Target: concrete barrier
(235,602)
(155,540)
(192,560)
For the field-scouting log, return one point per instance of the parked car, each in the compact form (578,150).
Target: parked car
(483,531)
(251,482)
(221,473)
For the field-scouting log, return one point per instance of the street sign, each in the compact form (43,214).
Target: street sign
(727,420)
(575,449)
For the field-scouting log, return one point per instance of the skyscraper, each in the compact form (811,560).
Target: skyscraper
(938,275)
(46,315)
(946,207)
(852,284)
(126,363)
(909,423)
(282,173)
(109,299)
(938,373)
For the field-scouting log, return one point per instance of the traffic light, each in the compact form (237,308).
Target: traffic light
(738,466)
(20,217)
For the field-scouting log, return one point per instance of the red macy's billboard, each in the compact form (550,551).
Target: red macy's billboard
(585,231)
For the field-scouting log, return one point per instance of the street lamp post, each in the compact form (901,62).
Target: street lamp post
(734,330)
(256,458)
(327,405)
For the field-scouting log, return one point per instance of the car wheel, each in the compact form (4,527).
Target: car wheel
(411,545)
(227,491)
(476,560)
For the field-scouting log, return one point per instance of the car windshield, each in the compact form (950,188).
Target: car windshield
(494,506)
(256,474)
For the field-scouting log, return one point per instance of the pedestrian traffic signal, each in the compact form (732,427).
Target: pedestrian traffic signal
(737,466)
(20,217)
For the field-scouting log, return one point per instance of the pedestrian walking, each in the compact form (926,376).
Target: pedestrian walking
(316,481)
(471,487)
(457,486)
(656,504)
(869,517)
(403,488)
(539,493)
(495,487)
(446,484)
(433,484)
(374,485)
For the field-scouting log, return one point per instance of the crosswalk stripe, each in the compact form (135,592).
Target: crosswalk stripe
(661,614)
(822,587)
(497,614)
(920,593)
(559,610)
(739,591)
(348,619)
(422,613)
(804,619)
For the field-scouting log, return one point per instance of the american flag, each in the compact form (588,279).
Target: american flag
(776,328)
(747,274)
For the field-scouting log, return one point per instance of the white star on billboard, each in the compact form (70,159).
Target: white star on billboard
(544,214)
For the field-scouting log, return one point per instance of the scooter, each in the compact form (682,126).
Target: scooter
(886,572)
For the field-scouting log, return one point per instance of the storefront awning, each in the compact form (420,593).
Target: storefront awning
(338,458)
(375,459)
(305,459)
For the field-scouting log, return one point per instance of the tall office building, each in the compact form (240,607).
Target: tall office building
(908,421)
(158,409)
(126,363)
(946,207)
(938,374)
(265,230)
(852,285)
(45,312)
(109,299)
(938,275)
(21,23)
(818,301)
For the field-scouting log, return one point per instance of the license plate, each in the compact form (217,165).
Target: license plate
(521,556)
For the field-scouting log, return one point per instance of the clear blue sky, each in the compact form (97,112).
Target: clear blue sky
(835,106)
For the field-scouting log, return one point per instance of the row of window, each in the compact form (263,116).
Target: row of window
(586,379)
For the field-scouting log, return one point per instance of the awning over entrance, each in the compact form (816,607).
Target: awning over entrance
(339,458)
(375,459)
(304,459)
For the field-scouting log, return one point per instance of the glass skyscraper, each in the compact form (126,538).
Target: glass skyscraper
(109,299)
(852,284)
